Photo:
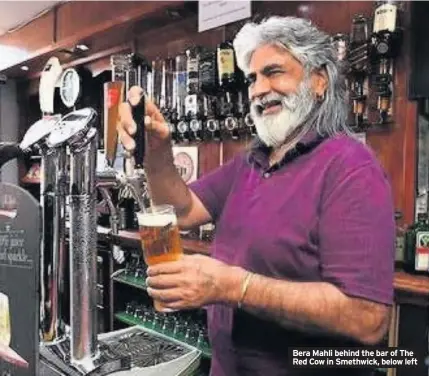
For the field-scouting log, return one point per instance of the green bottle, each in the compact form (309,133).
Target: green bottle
(417,246)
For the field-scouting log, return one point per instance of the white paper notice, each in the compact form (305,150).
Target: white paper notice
(212,14)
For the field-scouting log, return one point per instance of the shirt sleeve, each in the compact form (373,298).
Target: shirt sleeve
(214,187)
(357,233)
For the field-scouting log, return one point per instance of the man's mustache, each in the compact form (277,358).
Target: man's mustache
(259,104)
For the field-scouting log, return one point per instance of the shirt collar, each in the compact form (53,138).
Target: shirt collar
(259,152)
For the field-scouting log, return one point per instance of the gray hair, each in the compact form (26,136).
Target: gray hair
(314,50)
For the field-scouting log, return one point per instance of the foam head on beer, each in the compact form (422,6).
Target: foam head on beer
(156,219)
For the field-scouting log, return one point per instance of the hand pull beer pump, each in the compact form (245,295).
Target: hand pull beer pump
(128,71)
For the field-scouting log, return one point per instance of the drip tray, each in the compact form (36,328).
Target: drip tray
(130,352)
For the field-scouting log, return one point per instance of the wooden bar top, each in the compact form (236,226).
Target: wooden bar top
(404,283)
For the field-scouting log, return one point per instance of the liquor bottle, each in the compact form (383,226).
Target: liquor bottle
(192,85)
(400,240)
(226,66)
(341,43)
(207,68)
(359,65)
(417,246)
(157,68)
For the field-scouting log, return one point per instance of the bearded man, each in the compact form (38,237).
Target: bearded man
(304,246)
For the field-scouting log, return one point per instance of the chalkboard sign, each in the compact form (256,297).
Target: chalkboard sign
(20,237)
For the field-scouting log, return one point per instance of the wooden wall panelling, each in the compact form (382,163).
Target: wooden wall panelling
(208,156)
(90,17)
(74,22)
(30,41)
(231,148)
(175,37)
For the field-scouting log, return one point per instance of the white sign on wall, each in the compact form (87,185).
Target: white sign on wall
(213,14)
(186,162)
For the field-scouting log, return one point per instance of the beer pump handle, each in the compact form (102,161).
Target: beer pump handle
(138,112)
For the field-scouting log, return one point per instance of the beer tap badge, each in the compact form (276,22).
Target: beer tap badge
(186,162)
(70,87)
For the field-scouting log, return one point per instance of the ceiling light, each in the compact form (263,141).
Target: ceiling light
(82,47)
(25,68)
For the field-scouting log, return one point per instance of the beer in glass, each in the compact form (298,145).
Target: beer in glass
(160,238)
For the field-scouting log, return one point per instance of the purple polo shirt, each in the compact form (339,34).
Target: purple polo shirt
(323,214)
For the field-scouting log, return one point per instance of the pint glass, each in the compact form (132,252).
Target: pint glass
(160,238)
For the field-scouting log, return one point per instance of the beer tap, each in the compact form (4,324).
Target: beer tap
(76,132)
(241,111)
(134,167)
(53,248)
(52,200)
(195,116)
(249,124)
(212,125)
(134,162)
(183,130)
(229,121)
(133,70)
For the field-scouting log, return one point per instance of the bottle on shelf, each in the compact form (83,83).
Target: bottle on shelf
(400,240)
(417,246)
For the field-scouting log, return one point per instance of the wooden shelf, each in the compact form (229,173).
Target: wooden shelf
(411,283)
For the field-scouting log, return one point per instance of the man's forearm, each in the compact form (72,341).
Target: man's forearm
(313,307)
(165,183)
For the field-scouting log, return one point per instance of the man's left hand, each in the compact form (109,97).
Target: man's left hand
(193,281)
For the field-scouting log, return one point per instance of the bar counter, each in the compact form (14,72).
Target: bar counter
(409,288)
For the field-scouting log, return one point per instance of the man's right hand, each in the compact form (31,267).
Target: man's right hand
(157,129)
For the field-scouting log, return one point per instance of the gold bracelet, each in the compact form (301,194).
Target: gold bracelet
(244,288)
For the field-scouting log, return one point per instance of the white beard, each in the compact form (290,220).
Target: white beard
(274,129)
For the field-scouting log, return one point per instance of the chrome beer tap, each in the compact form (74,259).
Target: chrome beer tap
(53,252)
(76,132)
